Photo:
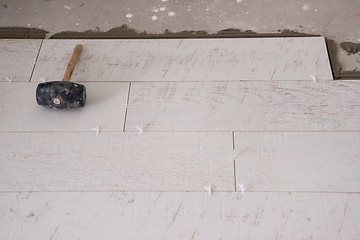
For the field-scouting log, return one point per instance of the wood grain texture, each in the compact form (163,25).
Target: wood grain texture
(320,162)
(245,106)
(43,216)
(105,107)
(17,58)
(187,59)
(116,161)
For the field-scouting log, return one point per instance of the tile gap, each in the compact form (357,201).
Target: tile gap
(36,59)
(233,146)
(127,103)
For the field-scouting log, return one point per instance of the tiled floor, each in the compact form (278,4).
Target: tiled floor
(262,126)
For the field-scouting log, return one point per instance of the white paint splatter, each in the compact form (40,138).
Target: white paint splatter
(78,182)
(154,18)
(171,14)
(306,7)
(162,9)
(129,15)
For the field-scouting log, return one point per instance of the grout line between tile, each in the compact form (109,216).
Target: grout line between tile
(170,191)
(233,146)
(127,103)
(36,59)
(209,81)
(193,131)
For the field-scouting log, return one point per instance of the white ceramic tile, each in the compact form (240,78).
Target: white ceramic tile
(116,161)
(17,58)
(319,161)
(245,106)
(187,59)
(105,107)
(126,215)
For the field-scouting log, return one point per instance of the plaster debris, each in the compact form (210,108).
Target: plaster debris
(140,130)
(9,80)
(97,130)
(242,189)
(67,7)
(155,10)
(313,78)
(171,14)
(154,18)
(42,79)
(306,7)
(208,189)
(129,15)
(162,9)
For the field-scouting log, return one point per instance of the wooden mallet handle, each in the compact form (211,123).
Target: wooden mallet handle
(72,62)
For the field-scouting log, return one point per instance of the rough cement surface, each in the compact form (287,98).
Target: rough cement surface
(124,32)
(334,19)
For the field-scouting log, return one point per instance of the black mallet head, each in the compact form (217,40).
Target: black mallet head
(61,94)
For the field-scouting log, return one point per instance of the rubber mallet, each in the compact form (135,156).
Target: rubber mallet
(63,94)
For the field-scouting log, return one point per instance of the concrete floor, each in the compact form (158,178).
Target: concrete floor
(334,19)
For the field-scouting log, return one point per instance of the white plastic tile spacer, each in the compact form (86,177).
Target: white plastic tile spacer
(9,80)
(140,129)
(313,78)
(242,189)
(208,189)
(97,130)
